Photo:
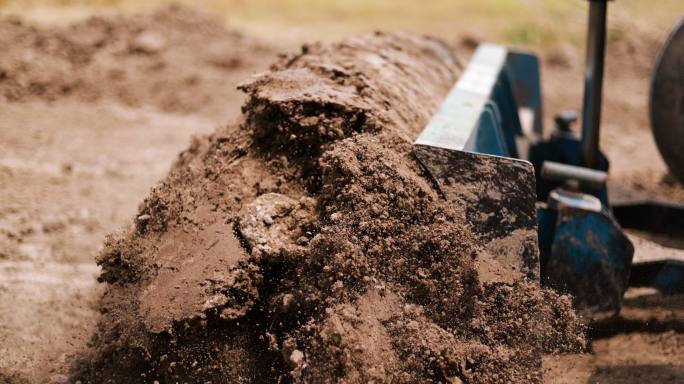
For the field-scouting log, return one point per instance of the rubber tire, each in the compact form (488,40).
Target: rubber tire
(667,101)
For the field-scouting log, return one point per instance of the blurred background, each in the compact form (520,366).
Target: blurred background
(529,23)
(95,105)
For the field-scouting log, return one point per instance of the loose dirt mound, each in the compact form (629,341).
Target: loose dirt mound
(174,59)
(347,266)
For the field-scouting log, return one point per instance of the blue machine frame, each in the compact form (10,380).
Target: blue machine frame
(583,249)
(480,114)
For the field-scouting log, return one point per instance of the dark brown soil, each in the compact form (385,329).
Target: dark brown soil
(350,267)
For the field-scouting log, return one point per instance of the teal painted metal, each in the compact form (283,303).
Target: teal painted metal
(494,114)
(469,149)
(481,113)
(665,275)
(525,72)
(587,255)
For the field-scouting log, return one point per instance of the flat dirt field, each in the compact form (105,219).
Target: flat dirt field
(96,110)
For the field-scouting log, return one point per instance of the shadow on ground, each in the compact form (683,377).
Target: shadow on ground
(628,374)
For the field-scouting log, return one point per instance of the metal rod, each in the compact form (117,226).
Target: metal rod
(593,82)
(587,178)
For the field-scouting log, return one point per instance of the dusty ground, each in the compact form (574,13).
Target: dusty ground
(74,167)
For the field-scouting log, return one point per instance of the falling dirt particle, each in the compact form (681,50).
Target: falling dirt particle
(296,358)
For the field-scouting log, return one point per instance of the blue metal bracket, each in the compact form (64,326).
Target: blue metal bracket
(485,149)
(481,113)
(469,148)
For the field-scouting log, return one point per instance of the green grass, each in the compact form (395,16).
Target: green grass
(529,23)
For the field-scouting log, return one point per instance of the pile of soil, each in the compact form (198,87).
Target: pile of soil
(306,244)
(138,59)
